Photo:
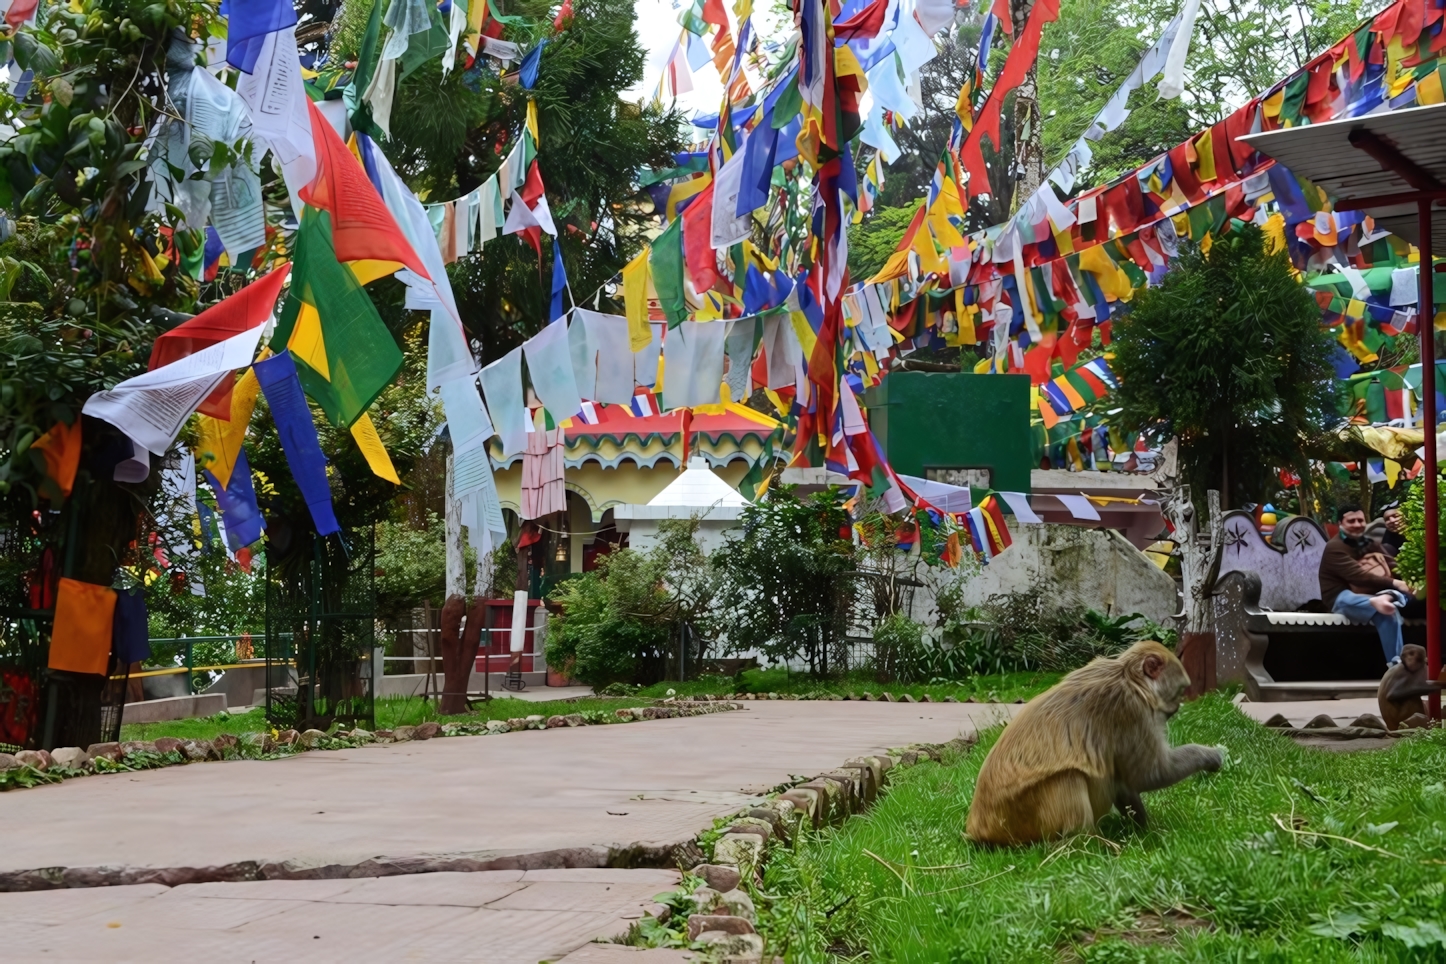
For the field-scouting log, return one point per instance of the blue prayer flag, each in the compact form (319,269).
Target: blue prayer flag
(559,282)
(237,503)
(248,23)
(297,431)
(527,73)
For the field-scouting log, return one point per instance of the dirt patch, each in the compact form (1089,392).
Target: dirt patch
(1150,930)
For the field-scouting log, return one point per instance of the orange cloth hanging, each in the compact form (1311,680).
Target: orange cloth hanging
(61,448)
(81,637)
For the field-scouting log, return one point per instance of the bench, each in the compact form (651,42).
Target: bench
(1305,655)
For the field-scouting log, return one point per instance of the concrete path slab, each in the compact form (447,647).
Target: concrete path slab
(424,917)
(585,796)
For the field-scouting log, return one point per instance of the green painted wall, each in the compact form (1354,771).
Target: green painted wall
(947,420)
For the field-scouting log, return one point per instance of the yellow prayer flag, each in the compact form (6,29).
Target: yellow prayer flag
(532,121)
(221,441)
(1393,472)
(1428,89)
(1205,156)
(372,448)
(635,297)
(307,342)
(965,315)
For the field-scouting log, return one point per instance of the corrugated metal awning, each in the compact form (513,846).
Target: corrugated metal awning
(1323,154)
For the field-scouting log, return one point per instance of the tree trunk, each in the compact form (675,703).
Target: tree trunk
(1199,567)
(1364,485)
(456,559)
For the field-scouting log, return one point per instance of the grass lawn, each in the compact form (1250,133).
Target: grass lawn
(391,712)
(1213,878)
(1003,688)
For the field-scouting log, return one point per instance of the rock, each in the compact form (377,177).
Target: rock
(535,721)
(1279,722)
(925,699)
(739,849)
(718,877)
(951,699)
(360,735)
(168,744)
(517,723)
(38,759)
(111,751)
(729,903)
(498,726)
(574,719)
(1369,721)
(198,751)
(736,948)
(287,737)
(1413,722)
(808,802)
(770,816)
(624,714)
(427,730)
(224,743)
(553,722)
(310,738)
(890,698)
(906,698)
(870,697)
(8,761)
(1321,722)
(131,747)
(752,825)
(69,757)
(401,734)
(698,923)
(383,736)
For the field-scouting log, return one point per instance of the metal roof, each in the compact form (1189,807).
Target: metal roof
(1323,154)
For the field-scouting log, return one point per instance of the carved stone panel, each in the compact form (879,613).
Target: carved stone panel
(1288,565)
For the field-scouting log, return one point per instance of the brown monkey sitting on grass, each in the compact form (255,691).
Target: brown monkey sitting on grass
(1095,740)
(1401,689)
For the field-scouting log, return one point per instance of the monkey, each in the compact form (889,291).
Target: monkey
(1096,739)
(1399,695)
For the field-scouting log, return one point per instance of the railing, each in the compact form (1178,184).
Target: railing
(188,664)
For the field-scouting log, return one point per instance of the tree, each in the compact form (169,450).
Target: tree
(1229,357)
(785,579)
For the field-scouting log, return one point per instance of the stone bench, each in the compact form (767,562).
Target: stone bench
(1305,655)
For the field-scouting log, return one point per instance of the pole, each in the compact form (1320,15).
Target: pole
(1427,322)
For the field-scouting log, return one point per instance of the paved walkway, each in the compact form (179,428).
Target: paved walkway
(1303,711)
(576,794)
(495,917)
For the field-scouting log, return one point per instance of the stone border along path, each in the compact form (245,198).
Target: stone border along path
(588,797)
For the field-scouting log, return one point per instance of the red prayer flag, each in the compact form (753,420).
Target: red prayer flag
(864,25)
(1183,173)
(362,228)
(1021,57)
(698,242)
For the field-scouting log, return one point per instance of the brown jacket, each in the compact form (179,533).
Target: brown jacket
(1340,569)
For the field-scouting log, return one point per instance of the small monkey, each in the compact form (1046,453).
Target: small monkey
(1399,696)
(1095,740)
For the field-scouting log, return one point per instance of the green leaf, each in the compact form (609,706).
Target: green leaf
(31,54)
(1422,934)
(1342,925)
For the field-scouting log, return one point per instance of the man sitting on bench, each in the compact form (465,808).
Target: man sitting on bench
(1356,582)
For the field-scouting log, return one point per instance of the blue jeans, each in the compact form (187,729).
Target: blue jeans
(1354,605)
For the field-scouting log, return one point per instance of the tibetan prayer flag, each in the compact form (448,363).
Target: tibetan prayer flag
(84,623)
(220,445)
(559,282)
(635,298)
(362,227)
(346,353)
(299,441)
(247,24)
(665,265)
(61,448)
(130,629)
(365,435)
(698,242)
(527,73)
(237,502)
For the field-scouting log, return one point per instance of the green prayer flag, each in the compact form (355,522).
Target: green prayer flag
(665,263)
(362,357)
(370,53)
(1294,100)
(1199,215)
(788,106)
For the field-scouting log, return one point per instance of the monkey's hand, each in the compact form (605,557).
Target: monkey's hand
(1210,757)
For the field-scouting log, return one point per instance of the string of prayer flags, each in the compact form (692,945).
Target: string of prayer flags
(281,385)
(549,367)
(502,387)
(275,96)
(220,444)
